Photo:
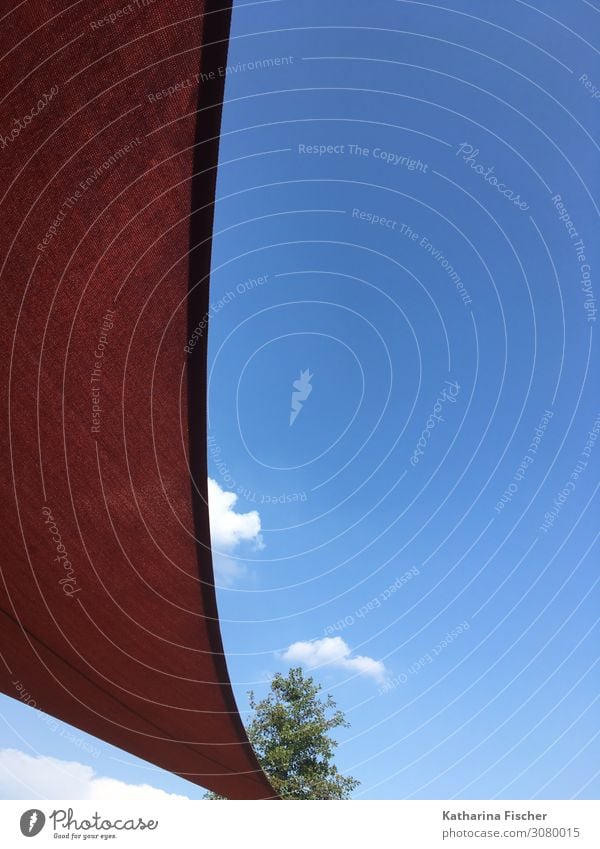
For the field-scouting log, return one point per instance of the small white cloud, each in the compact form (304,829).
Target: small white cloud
(334,651)
(24,776)
(227,528)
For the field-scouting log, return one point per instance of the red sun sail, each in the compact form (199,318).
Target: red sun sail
(109,125)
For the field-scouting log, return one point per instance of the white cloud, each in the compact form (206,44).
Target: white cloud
(333,651)
(112,788)
(24,776)
(227,528)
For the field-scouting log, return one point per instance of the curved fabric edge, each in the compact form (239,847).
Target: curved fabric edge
(202,217)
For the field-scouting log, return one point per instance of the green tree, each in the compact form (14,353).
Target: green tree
(290,733)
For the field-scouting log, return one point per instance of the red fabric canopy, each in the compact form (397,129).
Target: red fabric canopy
(109,124)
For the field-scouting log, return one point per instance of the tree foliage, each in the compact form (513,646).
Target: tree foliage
(291,735)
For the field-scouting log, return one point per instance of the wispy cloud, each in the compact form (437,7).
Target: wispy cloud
(334,651)
(24,776)
(227,570)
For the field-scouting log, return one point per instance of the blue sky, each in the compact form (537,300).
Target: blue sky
(422,536)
